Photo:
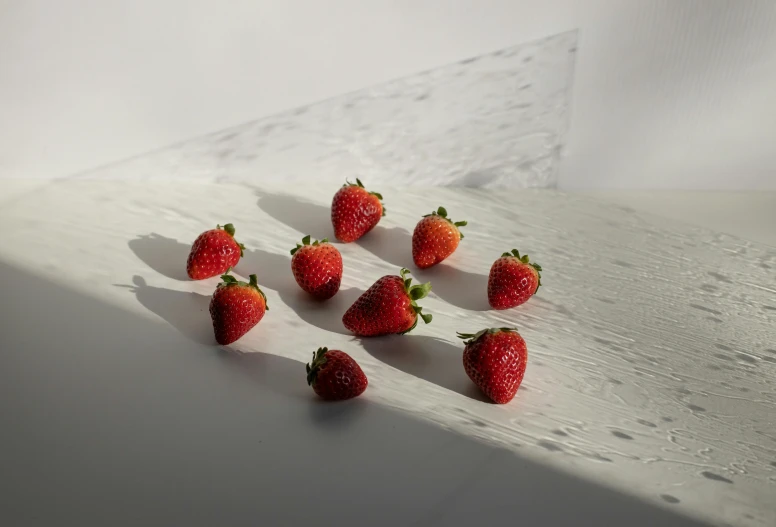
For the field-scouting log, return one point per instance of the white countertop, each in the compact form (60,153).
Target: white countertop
(647,398)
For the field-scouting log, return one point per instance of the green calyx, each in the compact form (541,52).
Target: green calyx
(229,228)
(230,281)
(471,337)
(524,259)
(306,241)
(442,213)
(319,359)
(361,185)
(416,292)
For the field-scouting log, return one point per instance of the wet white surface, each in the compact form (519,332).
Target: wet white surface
(748,215)
(651,358)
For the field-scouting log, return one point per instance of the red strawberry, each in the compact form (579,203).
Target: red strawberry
(214,252)
(317,267)
(387,307)
(335,376)
(513,280)
(495,360)
(355,211)
(435,238)
(236,307)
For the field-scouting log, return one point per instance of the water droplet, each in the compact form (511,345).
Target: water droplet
(720,277)
(668,498)
(715,477)
(706,309)
(549,445)
(746,358)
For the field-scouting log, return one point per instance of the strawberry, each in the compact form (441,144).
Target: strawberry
(387,307)
(317,267)
(495,360)
(435,238)
(335,376)
(214,252)
(513,280)
(355,211)
(236,307)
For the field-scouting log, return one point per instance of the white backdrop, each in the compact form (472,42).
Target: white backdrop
(667,94)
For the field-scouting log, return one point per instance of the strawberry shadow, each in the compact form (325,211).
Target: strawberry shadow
(459,288)
(280,374)
(274,272)
(337,415)
(164,255)
(390,244)
(186,312)
(326,314)
(303,216)
(178,420)
(288,377)
(424,357)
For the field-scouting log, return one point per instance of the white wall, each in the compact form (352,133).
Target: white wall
(672,93)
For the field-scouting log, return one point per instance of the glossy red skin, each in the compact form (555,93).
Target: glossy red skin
(340,377)
(434,239)
(354,212)
(511,283)
(235,310)
(212,254)
(383,309)
(318,270)
(496,364)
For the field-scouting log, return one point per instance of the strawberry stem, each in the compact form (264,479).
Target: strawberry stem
(524,259)
(306,241)
(228,279)
(319,359)
(361,185)
(471,337)
(229,228)
(416,292)
(231,281)
(442,213)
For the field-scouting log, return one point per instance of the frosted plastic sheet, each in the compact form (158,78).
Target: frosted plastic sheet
(496,120)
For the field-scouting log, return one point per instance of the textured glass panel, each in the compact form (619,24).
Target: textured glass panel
(496,120)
